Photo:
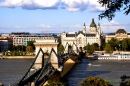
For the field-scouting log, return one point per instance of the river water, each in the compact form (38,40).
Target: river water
(12,70)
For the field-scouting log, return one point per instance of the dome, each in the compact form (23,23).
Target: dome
(93,24)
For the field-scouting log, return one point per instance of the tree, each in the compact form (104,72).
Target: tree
(96,46)
(103,46)
(128,43)
(31,43)
(112,6)
(108,48)
(52,83)
(91,49)
(95,81)
(124,44)
(29,50)
(60,48)
(114,43)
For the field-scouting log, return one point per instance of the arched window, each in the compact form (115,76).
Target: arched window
(80,40)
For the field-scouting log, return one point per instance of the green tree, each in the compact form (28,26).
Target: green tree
(31,43)
(128,43)
(114,43)
(95,81)
(103,46)
(29,50)
(96,46)
(124,44)
(60,48)
(112,6)
(108,48)
(90,48)
(52,83)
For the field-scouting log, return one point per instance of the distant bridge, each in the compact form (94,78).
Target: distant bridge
(42,69)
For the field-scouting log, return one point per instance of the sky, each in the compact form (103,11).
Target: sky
(56,16)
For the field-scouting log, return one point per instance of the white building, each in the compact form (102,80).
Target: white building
(21,38)
(82,38)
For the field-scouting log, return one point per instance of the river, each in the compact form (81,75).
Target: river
(12,70)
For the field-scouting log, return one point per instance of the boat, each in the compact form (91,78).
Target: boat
(89,64)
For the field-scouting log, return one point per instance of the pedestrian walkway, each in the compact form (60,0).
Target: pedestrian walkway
(78,73)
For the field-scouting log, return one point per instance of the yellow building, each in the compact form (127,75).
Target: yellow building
(120,34)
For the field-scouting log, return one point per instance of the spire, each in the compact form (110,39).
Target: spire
(93,23)
(98,24)
(84,28)
(84,24)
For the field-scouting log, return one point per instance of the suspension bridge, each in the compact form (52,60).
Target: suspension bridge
(43,68)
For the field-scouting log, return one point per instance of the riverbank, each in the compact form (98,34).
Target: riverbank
(18,57)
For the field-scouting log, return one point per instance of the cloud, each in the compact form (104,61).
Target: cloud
(75,5)
(31,4)
(111,23)
(70,5)
(111,29)
(9,29)
(12,27)
(81,5)
(44,26)
(112,26)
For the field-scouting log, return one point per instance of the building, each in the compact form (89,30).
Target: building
(120,34)
(6,43)
(82,38)
(21,38)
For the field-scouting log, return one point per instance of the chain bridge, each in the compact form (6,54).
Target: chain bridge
(44,66)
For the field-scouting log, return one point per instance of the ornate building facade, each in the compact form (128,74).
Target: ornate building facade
(82,38)
(120,34)
(46,44)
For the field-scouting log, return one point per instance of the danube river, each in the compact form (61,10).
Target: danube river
(12,70)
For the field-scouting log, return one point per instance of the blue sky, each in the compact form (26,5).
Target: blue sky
(41,16)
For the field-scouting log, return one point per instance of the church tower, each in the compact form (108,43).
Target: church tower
(84,28)
(99,28)
(93,28)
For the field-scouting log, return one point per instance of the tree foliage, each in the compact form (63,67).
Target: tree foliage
(112,6)
(94,81)
(108,48)
(52,83)
(60,48)
(18,48)
(90,48)
(114,43)
(124,44)
(31,43)
(96,46)
(29,50)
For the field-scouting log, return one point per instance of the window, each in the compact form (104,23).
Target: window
(80,40)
